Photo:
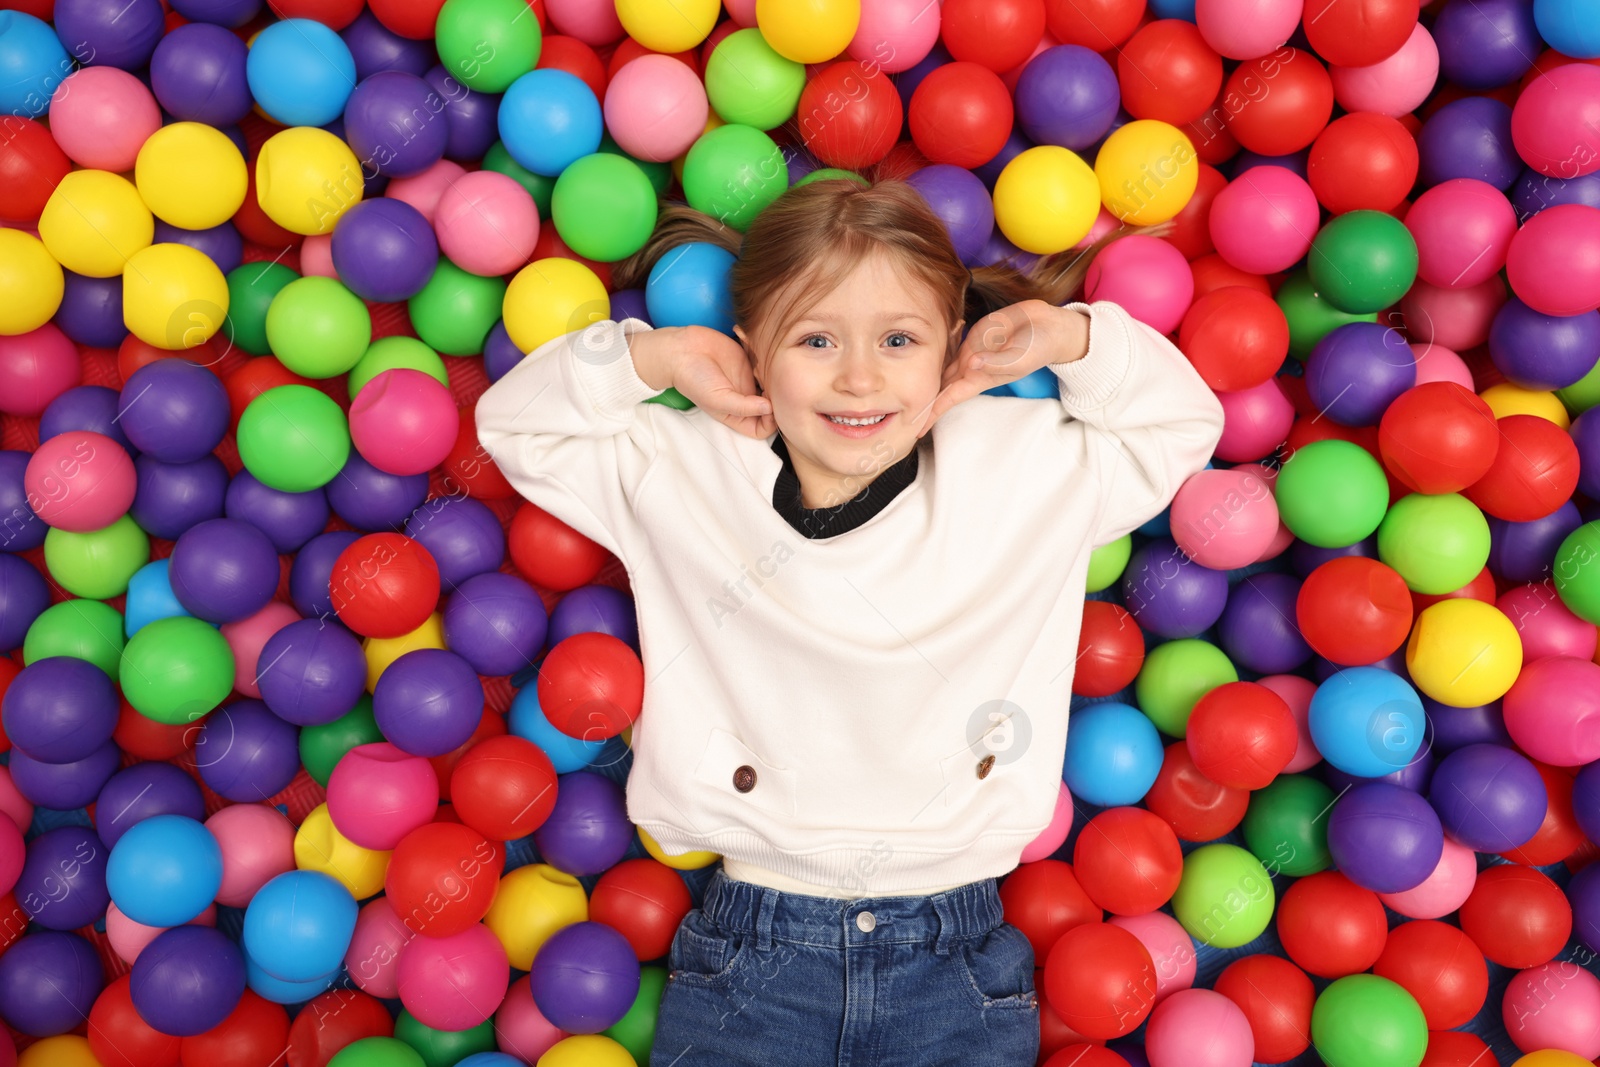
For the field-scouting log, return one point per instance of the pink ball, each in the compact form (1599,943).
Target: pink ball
(655,108)
(1463,228)
(80,481)
(377,794)
(1255,421)
(129,938)
(1148,276)
(1552,710)
(1053,836)
(520,1028)
(1391,86)
(1436,363)
(35,368)
(593,24)
(455,982)
(1104,223)
(316,257)
(1245,29)
(257,845)
(102,116)
(487,223)
(404,421)
(373,959)
(1198,1028)
(1459,319)
(1169,946)
(1554,1006)
(422,191)
(1554,120)
(1443,891)
(1547,627)
(249,636)
(13,804)
(1554,262)
(1263,221)
(743,12)
(894,34)
(1224,519)
(1297,693)
(12,853)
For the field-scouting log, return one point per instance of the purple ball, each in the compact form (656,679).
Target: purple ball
(384,249)
(188,980)
(1543,352)
(1067,96)
(314,672)
(1000,251)
(1258,628)
(1170,594)
(1414,777)
(60,709)
(91,310)
(230,13)
(1394,663)
(1384,838)
(1586,801)
(1454,728)
(428,702)
(175,410)
(1484,44)
(1016,144)
(24,594)
(224,570)
(379,108)
(65,786)
(906,81)
(110,33)
(171,498)
(377,48)
(958,197)
(288,519)
(198,75)
(1130,1050)
(246,753)
(1295,161)
(500,354)
(145,789)
(20,528)
(472,119)
(63,881)
(311,573)
(1584,894)
(798,162)
(1488,797)
(496,622)
(373,500)
(595,609)
(48,983)
(221,243)
(1586,435)
(1535,192)
(625,304)
(1468,138)
(1524,551)
(84,407)
(1306,557)
(463,535)
(585,977)
(1355,372)
(588,829)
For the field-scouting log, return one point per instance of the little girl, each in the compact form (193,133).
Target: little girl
(859,586)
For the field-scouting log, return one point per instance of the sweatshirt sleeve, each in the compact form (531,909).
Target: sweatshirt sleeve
(1150,420)
(567,427)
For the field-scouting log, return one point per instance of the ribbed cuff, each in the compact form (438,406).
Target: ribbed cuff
(605,367)
(1090,382)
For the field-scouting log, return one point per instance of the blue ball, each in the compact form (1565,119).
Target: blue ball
(1367,722)
(1568,26)
(689,287)
(32,64)
(298,927)
(1113,755)
(300,72)
(278,991)
(150,597)
(490,1059)
(165,870)
(547,119)
(528,721)
(1172,9)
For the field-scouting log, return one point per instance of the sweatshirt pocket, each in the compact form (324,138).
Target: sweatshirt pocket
(984,763)
(732,767)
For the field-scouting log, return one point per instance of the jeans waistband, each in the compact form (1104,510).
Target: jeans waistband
(966,911)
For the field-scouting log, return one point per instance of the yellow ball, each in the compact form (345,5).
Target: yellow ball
(1507,399)
(30,283)
(1046,199)
(306,178)
(669,25)
(94,221)
(586,1050)
(534,902)
(688,861)
(191,175)
(318,846)
(808,31)
(1147,171)
(68,1050)
(550,298)
(382,651)
(1552,1057)
(173,296)
(1464,653)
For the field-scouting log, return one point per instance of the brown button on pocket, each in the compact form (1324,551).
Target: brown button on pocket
(744,778)
(985,765)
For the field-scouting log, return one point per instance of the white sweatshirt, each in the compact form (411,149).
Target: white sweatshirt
(863,677)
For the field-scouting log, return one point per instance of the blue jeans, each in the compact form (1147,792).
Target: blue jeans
(758,976)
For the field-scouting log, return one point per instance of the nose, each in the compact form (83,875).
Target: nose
(858,371)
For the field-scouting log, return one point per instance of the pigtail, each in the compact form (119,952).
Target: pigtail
(1056,279)
(675,225)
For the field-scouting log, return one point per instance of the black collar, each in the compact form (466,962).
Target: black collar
(830,522)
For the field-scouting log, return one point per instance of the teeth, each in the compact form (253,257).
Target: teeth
(842,421)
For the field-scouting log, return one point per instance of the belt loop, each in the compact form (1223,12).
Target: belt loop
(947,923)
(765,909)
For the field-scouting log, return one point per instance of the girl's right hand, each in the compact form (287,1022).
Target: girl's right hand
(712,370)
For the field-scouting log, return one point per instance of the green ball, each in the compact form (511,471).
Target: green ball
(1577,572)
(318,328)
(604,207)
(487,44)
(539,186)
(732,172)
(1363,261)
(294,438)
(1310,317)
(1437,542)
(176,670)
(636,1030)
(388,353)
(1287,825)
(86,629)
(97,564)
(1332,494)
(1107,563)
(1582,394)
(1175,675)
(1362,1020)
(749,83)
(660,174)
(1225,897)
(377,1052)
(251,289)
(826,173)
(323,746)
(455,311)
(443,1048)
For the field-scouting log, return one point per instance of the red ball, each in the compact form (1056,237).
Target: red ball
(1354,610)
(1196,808)
(333,1020)
(504,787)
(254,1034)
(1362,161)
(409,18)
(1276,997)
(1293,109)
(119,1037)
(31,166)
(254,377)
(1438,965)
(1212,272)
(468,467)
(1128,860)
(558,52)
(1480,588)
(1085,1056)
(628,50)
(334,14)
(549,244)
(1517,916)
(1100,25)
(1110,650)
(1100,980)
(549,553)
(251,219)
(1236,337)
(1438,437)
(1242,735)
(1534,472)
(442,878)
(143,738)
(1457,1048)
(1168,72)
(1330,926)
(491,724)
(644,900)
(853,115)
(1359,33)
(591,686)
(1559,835)
(1191,227)
(384,585)
(999,34)
(1044,900)
(961,114)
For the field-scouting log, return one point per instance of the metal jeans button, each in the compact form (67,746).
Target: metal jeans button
(867,922)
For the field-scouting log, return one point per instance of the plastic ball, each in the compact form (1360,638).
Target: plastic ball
(584,977)
(1362,161)
(1367,1020)
(1276,998)
(505,788)
(403,422)
(1224,898)
(428,702)
(301,72)
(1385,838)
(1354,610)
(1440,967)
(191,175)
(1108,997)
(960,114)
(1363,261)
(383,250)
(549,118)
(1067,95)
(1366,721)
(198,73)
(861,132)
(298,925)
(32,284)
(165,870)
(550,298)
(1241,735)
(1330,926)
(1393,85)
(1128,861)
(1264,221)
(454,982)
(80,481)
(93,223)
(1245,30)
(378,794)
(1456,531)
(257,845)
(1168,72)
(188,980)
(1517,916)
(532,903)
(645,901)
(1201,1027)
(306,178)
(1463,653)
(746,82)
(1147,172)
(1438,438)
(588,829)
(810,33)
(1332,493)
(100,116)
(176,670)
(487,223)
(442,879)
(732,173)
(48,983)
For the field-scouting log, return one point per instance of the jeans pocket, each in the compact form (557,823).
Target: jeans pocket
(704,954)
(999,969)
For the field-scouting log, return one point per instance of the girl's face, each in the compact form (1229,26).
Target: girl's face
(871,351)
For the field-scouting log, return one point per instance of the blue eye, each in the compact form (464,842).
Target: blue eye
(806,341)
(903,337)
